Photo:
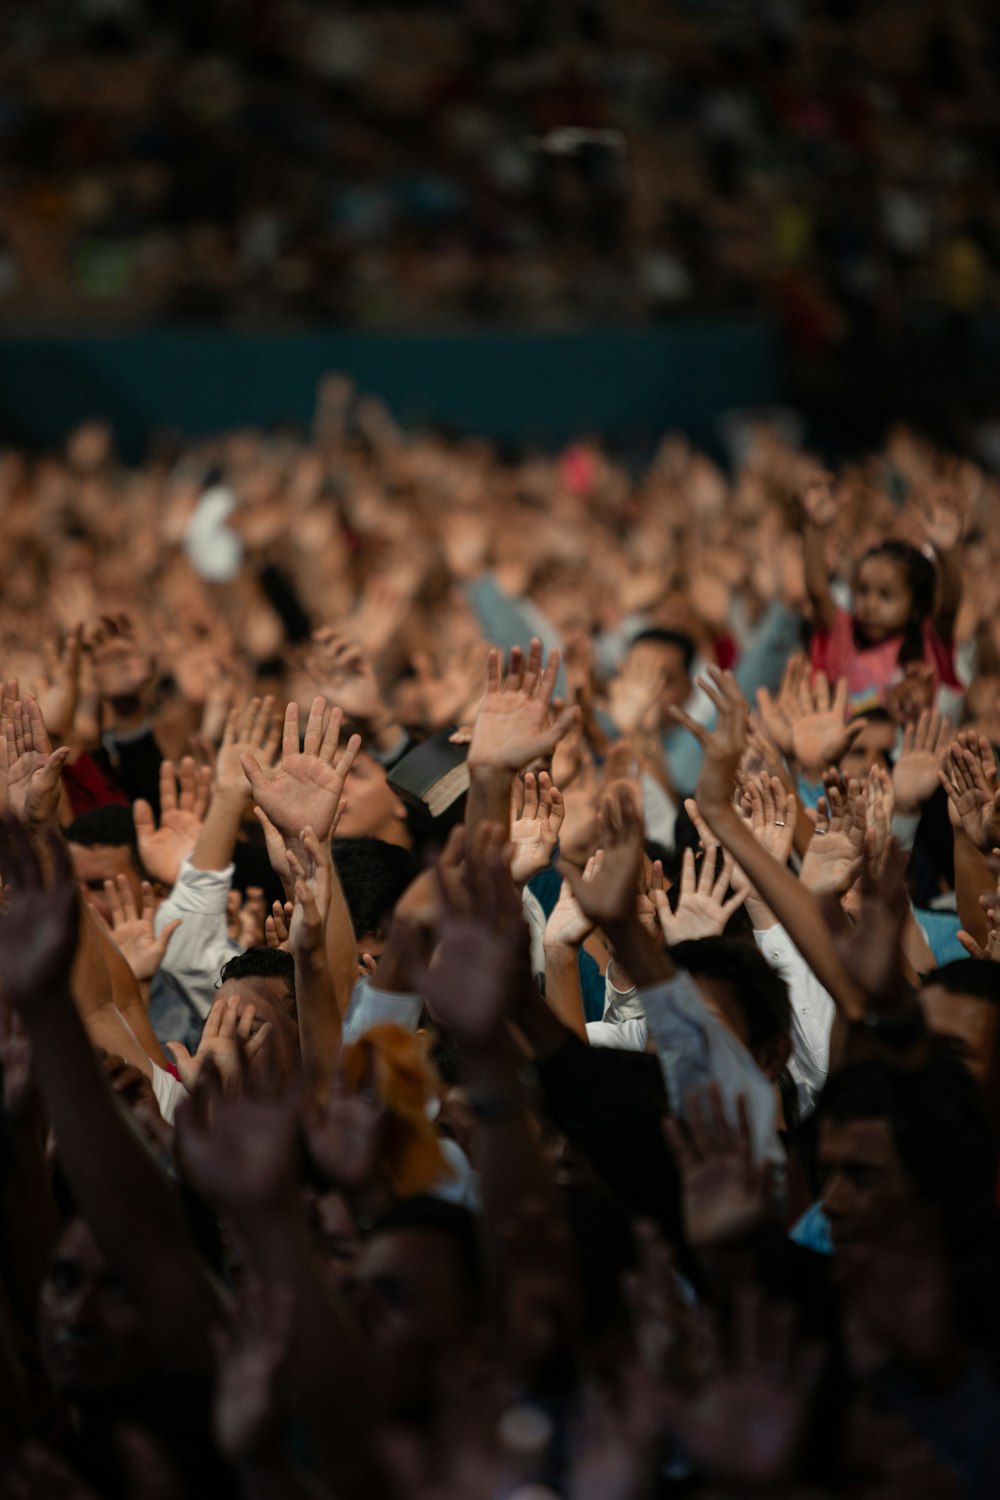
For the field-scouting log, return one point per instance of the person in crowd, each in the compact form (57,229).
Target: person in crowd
(627,1128)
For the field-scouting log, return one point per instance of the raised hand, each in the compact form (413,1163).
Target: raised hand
(536,818)
(869,950)
(820,733)
(164,849)
(915,774)
(346,1134)
(991,950)
(512,727)
(746,1420)
(702,909)
(943,517)
(277,923)
(307,786)
(607,893)
(132,927)
(229,1039)
(725,1194)
(40,922)
(313,875)
(879,808)
(483,956)
(833,860)
(771,810)
(238,1151)
(723,746)
(59,694)
(969,777)
(253,730)
(346,676)
(33,768)
(568,925)
(250,1350)
(778,714)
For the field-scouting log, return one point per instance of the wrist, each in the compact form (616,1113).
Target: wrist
(557,951)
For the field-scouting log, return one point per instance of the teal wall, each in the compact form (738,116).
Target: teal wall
(537,387)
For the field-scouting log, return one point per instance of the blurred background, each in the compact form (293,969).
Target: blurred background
(519,219)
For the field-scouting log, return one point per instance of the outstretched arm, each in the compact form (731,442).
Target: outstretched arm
(126,1200)
(795,907)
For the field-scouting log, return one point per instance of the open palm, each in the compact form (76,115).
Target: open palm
(306,787)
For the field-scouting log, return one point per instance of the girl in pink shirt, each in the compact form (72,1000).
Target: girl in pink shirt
(898,592)
(891,625)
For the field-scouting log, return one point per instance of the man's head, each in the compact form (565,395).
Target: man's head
(961,1003)
(741,989)
(373,809)
(374,875)
(891,1137)
(669,653)
(265,979)
(418,1291)
(90,1334)
(102,846)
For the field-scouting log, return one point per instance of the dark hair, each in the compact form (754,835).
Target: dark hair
(940,1128)
(660,637)
(264,963)
(921,580)
(759,990)
(374,875)
(438,1216)
(108,826)
(978,977)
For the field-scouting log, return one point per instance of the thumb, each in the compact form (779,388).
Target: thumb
(164,938)
(142,817)
(184,1063)
(252,771)
(561,727)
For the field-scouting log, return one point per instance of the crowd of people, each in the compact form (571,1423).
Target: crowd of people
(610,1109)
(826,161)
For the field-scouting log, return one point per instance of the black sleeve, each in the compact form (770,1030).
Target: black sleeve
(610,1105)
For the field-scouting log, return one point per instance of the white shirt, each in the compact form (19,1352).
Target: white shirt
(813,1012)
(201,945)
(696,1049)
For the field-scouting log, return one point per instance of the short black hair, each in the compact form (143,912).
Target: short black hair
(110,826)
(441,1217)
(374,875)
(661,637)
(939,1124)
(759,990)
(978,977)
(263,963)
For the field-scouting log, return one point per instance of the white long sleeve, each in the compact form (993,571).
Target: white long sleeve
(813,1012)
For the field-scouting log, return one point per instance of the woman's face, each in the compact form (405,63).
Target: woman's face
(883,602)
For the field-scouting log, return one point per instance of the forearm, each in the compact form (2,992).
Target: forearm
(949,596)
(973,878)
(817,576)
(124,1197)
(217,840)
(127,998)
(563,991)
(509,1158)
(319,1019)
(488,799)
(646,962)
(341,944)
(792,904)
